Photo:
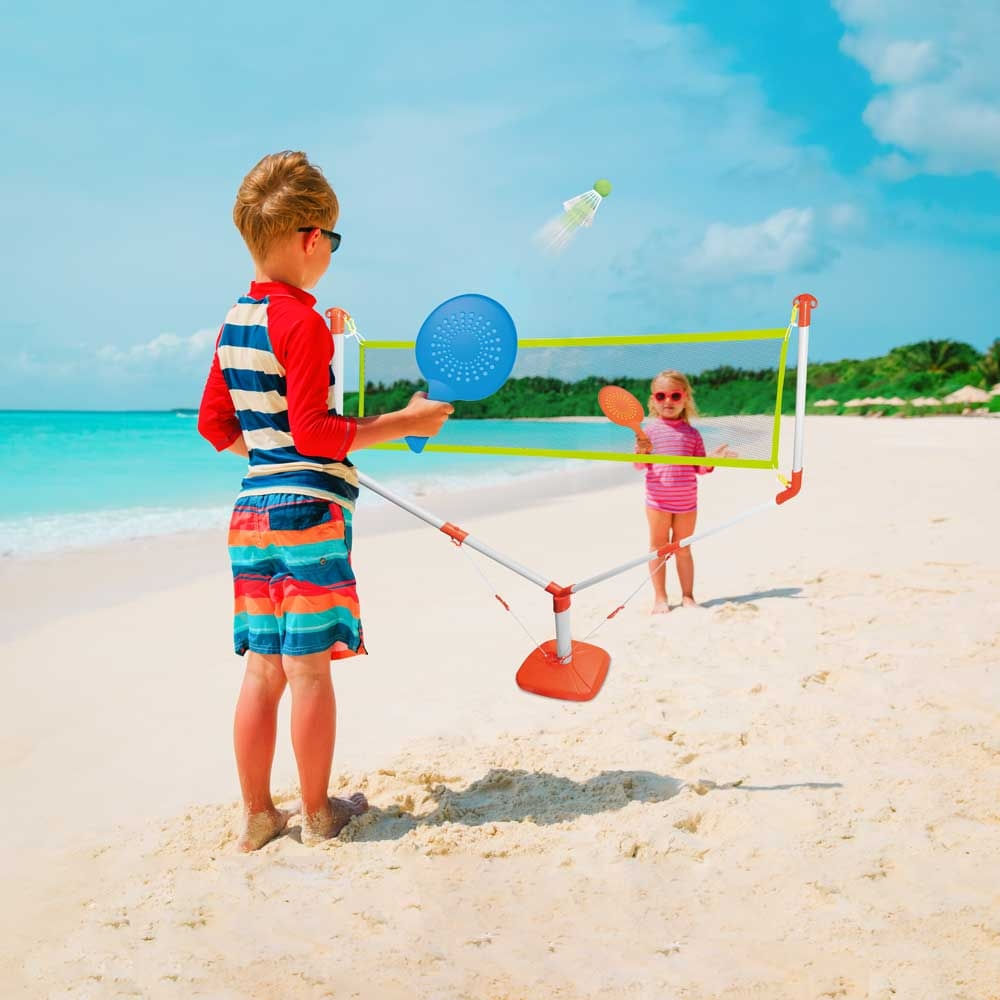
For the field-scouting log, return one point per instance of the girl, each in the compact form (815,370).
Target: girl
(672,490)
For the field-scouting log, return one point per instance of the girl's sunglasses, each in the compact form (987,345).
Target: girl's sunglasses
(333,237)
(674,397)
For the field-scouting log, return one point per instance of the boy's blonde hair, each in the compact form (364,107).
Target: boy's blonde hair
(281,193)
(690,409)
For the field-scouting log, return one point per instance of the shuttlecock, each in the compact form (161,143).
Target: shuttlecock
(578,212)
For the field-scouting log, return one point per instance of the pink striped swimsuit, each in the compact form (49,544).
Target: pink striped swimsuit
(673,488)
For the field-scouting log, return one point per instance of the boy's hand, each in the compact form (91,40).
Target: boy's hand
(426,416)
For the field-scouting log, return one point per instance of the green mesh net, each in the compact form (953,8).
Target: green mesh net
(549,408)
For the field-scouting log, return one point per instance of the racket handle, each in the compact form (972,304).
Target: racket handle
(437,393)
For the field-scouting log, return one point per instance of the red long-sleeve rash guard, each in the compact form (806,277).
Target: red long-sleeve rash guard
(303,346)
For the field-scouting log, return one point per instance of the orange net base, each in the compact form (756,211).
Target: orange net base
(577,680)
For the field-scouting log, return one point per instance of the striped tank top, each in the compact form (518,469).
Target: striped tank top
(257,386)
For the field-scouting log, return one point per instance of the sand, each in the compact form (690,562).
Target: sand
(789,792)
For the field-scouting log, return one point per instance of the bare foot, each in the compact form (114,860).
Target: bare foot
(660,607)
(689,602)
(327,823)
(262,827)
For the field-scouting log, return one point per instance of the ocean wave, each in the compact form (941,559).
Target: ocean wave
(38,534)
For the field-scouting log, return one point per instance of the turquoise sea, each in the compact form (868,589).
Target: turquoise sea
(82,478)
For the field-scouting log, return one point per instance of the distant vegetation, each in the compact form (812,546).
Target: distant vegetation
(928,368)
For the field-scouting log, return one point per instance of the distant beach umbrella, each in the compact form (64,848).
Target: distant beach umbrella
(925,401)
(578,212)
(968,394)
(827,402)
(995,391)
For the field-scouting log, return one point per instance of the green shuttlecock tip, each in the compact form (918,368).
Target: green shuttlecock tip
(603,187)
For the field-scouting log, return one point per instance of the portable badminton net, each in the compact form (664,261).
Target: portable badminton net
(738,379)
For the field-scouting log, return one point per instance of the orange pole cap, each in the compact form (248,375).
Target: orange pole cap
(337,318)
(806,304)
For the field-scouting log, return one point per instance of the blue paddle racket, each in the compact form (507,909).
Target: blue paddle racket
(466,349)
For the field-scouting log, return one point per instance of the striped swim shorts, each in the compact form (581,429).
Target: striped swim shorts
(294,586)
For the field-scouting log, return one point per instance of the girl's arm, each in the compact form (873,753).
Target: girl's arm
(699,452)
(643,446)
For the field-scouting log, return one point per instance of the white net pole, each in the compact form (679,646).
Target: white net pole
(440,524)
(800,397)
(684,542)
(336,318)
(804,305)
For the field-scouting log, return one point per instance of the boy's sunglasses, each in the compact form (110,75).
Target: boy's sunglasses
(333,237)
(674,397)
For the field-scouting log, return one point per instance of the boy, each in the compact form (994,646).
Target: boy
(268,397)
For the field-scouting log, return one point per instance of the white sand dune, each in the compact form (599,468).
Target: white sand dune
(789,792)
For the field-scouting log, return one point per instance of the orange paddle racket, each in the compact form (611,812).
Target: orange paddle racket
(621,407)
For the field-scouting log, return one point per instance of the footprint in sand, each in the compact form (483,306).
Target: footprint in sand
(689,824)
(737,612)
(671,949)
(820,677)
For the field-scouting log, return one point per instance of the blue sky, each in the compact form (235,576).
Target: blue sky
(850,149)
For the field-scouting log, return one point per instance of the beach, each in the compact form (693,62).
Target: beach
(787,792)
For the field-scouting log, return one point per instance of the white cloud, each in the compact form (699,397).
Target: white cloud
(953,134)
(783,242)
(892,62)
(941,105)
(164,347)
(164,357)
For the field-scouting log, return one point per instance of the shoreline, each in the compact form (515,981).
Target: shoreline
(180,557)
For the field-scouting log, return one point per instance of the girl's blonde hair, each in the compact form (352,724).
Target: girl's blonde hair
(690,409)
(281,193)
